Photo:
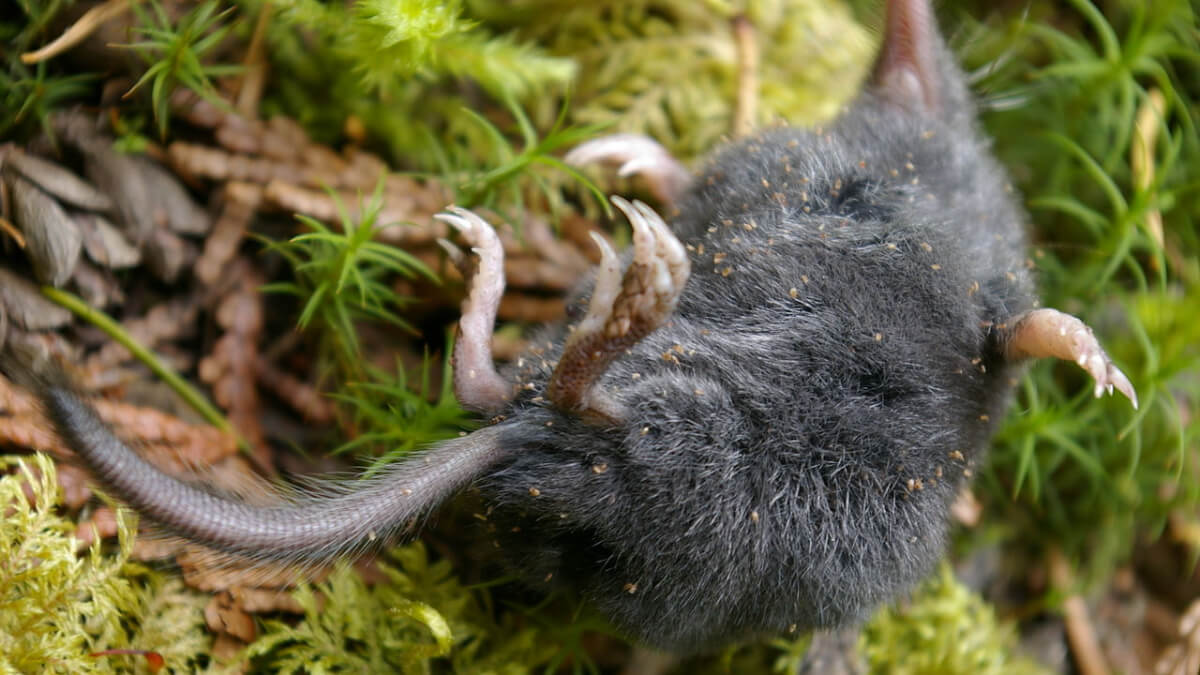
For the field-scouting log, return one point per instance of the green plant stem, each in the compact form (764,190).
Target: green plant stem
(114,330)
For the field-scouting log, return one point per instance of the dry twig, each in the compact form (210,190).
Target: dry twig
(745,111)
(79,31)
(1183,657)
(1141,155)
(1080,633)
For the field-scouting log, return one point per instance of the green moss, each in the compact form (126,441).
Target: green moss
(57,608)
(1064,85)
(422,618)
(411,71)
(28,94)
(668,68)
(400,68)
(175,53)
(342,276)
(944,629)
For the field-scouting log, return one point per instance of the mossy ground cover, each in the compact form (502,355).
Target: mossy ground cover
(1093,107)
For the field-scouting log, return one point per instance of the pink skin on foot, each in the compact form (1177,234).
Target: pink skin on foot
(906,69)
(476,383)
(1049,332)
(637,155)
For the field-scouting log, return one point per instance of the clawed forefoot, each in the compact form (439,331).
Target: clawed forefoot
(635,154)
(1049,332)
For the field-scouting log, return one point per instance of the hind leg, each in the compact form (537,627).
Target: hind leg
(476,383)
(622,310)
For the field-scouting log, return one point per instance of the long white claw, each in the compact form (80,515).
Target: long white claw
(467,222)
(669,249)
(607,287)
(643,235)
(635,166)
(1122,384)
(671,265)
(455,253)
(621,149)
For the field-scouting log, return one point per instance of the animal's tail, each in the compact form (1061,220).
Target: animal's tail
(329,520)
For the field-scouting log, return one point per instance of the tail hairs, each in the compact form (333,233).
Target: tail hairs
(320,521)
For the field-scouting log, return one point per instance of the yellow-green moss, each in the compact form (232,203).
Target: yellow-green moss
(945,629)
(422,616)
(668,68)
(57,607)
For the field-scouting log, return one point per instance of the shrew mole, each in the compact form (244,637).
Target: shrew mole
(767,408)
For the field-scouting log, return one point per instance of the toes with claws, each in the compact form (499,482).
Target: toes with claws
(623,309)
(1049,332)
(639,155)
(476,383)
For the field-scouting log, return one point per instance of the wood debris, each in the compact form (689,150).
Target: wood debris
(231,367)
(167,321)
(55,180)
(240,201)
(1081,633)
(79,218)
(26,307)
(303,398)
(1183,657)
(223,615)
(169,443)
(272,166)
(52,240)
(105,244)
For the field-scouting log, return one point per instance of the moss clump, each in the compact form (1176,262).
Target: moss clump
(668,68)
(422,617)
(400,69)
(58,608)
(945,629)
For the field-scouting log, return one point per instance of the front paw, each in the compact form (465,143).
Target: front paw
(1049,332)
(635,154)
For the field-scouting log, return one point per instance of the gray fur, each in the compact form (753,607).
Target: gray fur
(796,433)
(763,478)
